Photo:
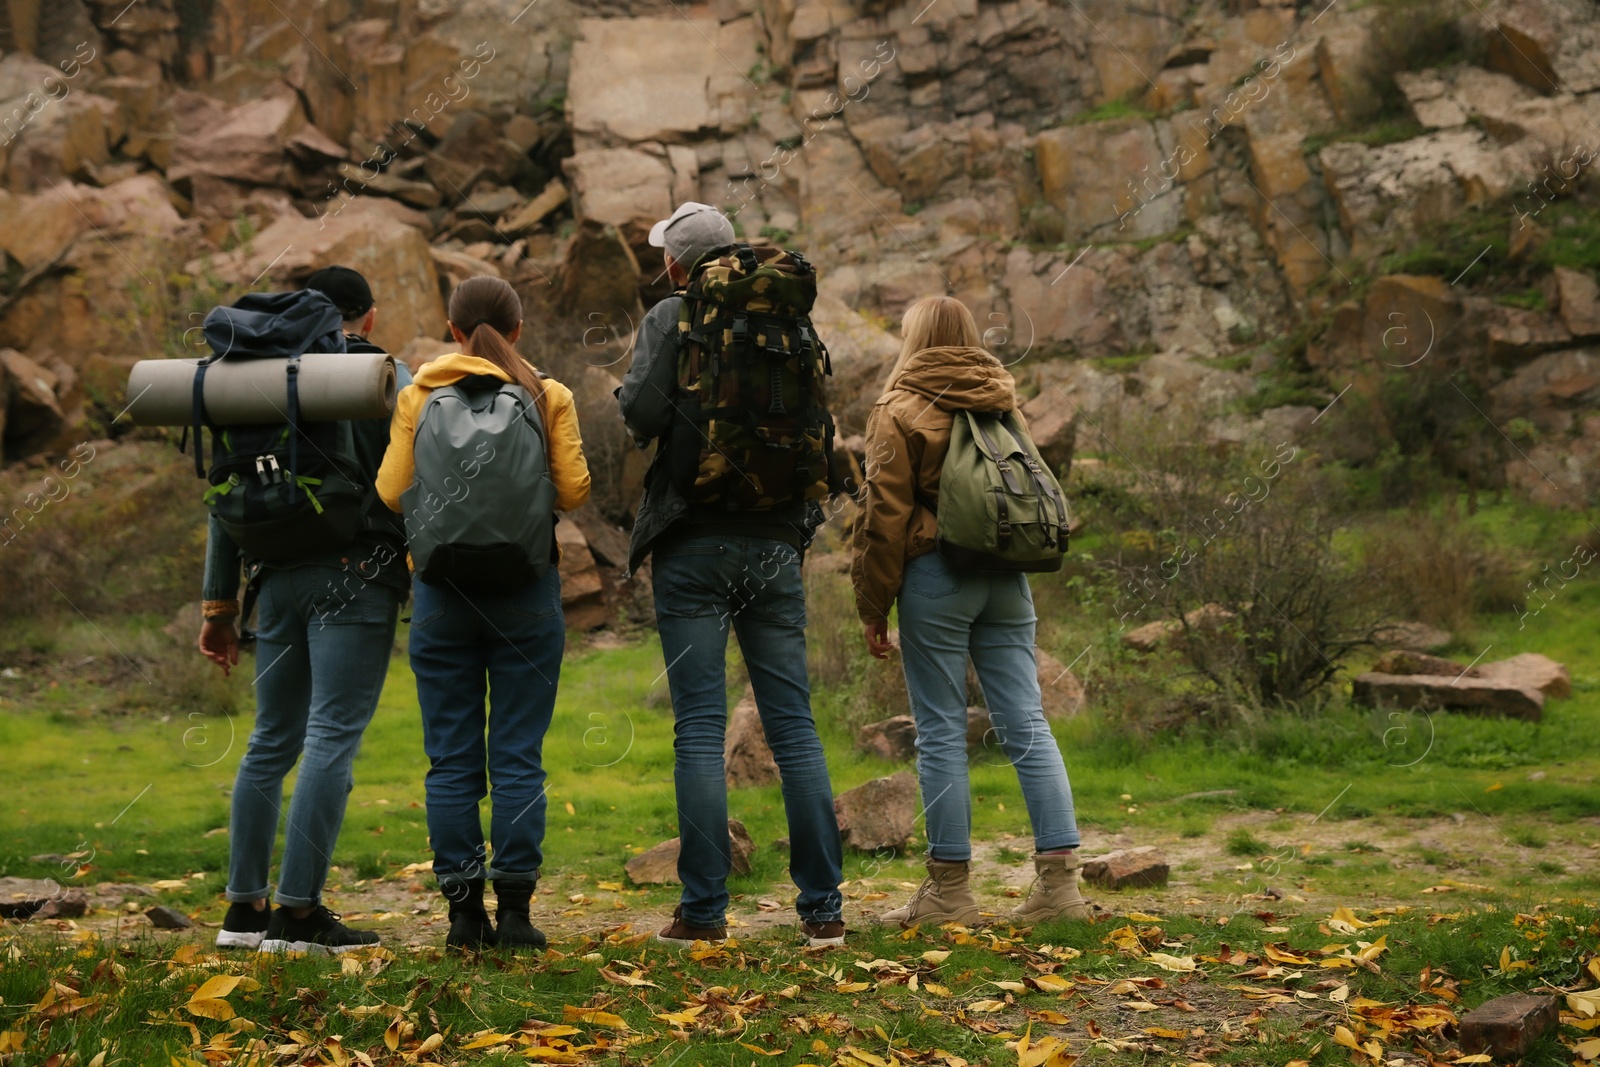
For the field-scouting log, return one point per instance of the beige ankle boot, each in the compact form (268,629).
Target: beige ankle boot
(1055,891)
(943,897)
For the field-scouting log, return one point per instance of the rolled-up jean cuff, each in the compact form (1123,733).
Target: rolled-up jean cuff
(834,916)
(1045,844)
(295,902)
(944,855)
(498,875)
(235,897)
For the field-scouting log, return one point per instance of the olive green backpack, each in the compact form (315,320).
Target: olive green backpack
(1000,507)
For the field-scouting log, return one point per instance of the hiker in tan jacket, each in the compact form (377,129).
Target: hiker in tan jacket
(948,613)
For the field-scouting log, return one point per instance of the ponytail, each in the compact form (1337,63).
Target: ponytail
(487,309)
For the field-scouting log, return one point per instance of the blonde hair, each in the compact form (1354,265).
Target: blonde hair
(934,322)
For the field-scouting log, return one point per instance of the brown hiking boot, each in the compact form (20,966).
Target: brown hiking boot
(679,932)
(1054,894)
(943,897)
(822,935)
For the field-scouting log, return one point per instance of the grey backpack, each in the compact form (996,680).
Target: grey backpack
(480,513)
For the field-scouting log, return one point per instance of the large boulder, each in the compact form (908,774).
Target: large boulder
(745,754)
(33,414)
(1580,301)
(1529,670)
(248,143)
(893,739)
(1085,172)
(583,600)
(618,89)
(1549,45)
(619,185)
(394,258)
(600,276)
(878,814)
(1480,696)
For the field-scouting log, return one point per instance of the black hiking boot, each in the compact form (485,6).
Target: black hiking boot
(514,929)
(469,921)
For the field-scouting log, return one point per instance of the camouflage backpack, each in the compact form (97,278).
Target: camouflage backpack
(754,432)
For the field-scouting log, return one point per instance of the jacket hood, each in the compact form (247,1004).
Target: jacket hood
(959,379)
(447,370)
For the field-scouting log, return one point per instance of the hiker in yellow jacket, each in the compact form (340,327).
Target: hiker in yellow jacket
(486,615)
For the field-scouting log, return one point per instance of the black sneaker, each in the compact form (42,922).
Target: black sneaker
(243,926)
(320,933)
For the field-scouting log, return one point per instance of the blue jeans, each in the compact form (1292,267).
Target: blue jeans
(702,585)
(508,645)
(946,615)
(321,657)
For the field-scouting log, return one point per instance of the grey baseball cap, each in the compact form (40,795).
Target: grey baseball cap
(692,231)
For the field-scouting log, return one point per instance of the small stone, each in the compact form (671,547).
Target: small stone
(165,918)
(893,739)
(1140,867)
(22,898)
(878,814)
(1507,1027)
(746,755)
(659,865)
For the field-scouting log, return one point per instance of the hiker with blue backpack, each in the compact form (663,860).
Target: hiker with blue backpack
(292,502)
(485,450)
(728,379)
(958,510)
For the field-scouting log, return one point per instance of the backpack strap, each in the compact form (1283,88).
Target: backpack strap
(199,417)
(292,381)
(987,444)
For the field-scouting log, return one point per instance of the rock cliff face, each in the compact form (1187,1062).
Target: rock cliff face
(1147,205)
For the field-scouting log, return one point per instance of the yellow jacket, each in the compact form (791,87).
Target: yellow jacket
(568,469)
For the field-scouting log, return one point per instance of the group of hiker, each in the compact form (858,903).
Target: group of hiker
(456,497)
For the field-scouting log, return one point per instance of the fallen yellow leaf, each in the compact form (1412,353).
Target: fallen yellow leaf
(1172,963)
(488,1040)
(211,1008)
(593,1015)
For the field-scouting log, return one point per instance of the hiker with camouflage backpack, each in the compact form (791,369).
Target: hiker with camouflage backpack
(727,378)
(959,509)
(485,451)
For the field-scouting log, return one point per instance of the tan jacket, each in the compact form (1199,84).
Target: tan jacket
(908,434)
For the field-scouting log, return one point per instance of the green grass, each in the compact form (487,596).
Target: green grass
(762,995)
(141,795)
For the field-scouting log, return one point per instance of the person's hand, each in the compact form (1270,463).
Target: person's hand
(877,634)
(219,643)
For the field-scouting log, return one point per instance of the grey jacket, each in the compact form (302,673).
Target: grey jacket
(646,398)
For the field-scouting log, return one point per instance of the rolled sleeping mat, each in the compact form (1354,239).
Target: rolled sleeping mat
(246,392)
